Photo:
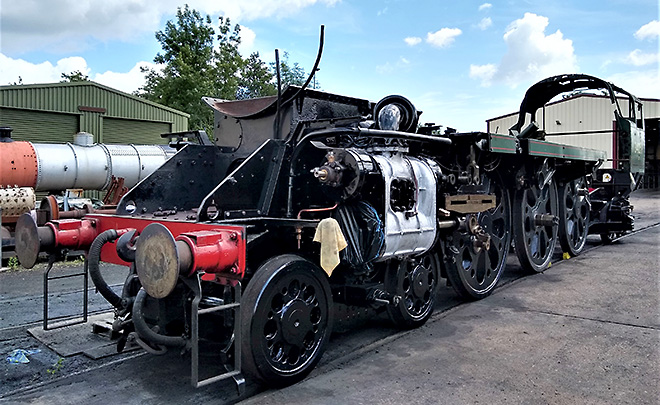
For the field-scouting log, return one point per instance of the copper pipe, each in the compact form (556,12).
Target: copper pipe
(299,229)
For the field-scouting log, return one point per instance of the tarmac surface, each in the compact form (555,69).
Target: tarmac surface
(586,331)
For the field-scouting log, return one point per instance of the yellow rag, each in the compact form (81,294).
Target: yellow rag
(328,233)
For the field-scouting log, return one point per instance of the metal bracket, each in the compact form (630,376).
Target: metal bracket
(47,278)
(235,373)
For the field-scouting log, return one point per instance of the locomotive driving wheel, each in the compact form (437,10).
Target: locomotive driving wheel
(574,207)
(415,280)
(536,222)
(286,320)
(476,257)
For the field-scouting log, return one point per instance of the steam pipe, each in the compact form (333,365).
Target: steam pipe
(145,332)
(94,258)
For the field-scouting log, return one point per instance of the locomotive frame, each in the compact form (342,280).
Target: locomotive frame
(311,198)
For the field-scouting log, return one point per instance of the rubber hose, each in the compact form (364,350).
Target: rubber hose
(145,332)
(94,258)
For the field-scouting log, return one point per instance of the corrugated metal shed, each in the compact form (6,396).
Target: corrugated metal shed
(54,112)
(585,120)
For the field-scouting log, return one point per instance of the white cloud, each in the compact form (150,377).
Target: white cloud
(127,82)
(389,68)
(485,6)
(485,23)
(443,37)
(70,25)
(640,83)
(639,58)
(74,25)
(247,41)
(531,54)
(45,72)
(648,31)
(484,73)
(254,9)
(412,41)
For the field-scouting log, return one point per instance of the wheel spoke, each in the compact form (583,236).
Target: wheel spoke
(415,280)
(474,270)
(574,216)
(286,334)
(535,240)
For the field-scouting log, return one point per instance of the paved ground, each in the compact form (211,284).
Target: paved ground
(585,331)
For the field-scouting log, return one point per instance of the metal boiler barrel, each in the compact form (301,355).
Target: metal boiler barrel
(135,162)
(53,167)
(72,166)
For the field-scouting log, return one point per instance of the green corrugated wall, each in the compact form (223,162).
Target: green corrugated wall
(54,112)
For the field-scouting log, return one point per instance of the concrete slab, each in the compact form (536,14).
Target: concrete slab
(586,331)
(75,339)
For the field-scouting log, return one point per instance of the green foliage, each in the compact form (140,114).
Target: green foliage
(75,76)
(56,367)
(199,59)
(256,79)
(188,73)
(12,263)
(292,74)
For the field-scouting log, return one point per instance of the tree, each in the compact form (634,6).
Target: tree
(256,79)
(197,60)
(75,76)
(189,72)
(289,74)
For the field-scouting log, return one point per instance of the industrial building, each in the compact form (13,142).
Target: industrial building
(54,112)
(587,120)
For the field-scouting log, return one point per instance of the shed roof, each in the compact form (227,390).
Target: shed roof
(92,84)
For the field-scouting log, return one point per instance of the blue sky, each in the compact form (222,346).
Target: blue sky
(461,62)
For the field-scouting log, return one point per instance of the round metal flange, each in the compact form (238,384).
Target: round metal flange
(27,241)
(157,260)
(50,206)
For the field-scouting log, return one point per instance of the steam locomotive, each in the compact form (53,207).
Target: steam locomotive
(307,199)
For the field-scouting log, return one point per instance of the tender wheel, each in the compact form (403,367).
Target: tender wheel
(286,320)
(415,280)
(474,259)
(574,210)
(535,223)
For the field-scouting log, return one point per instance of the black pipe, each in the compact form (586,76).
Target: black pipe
(94,258)
(278,129)
(145,332)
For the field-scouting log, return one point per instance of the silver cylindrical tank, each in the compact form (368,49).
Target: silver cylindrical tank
(92,167)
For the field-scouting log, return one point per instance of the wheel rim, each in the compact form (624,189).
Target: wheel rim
(574,209)
(291,321)
(418,281)
(473,270)
(535,242)
(415,280)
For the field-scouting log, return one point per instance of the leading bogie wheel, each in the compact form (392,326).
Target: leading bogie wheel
(475,257)
(286,320)
(415,281)
(574,210)
(536,223)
